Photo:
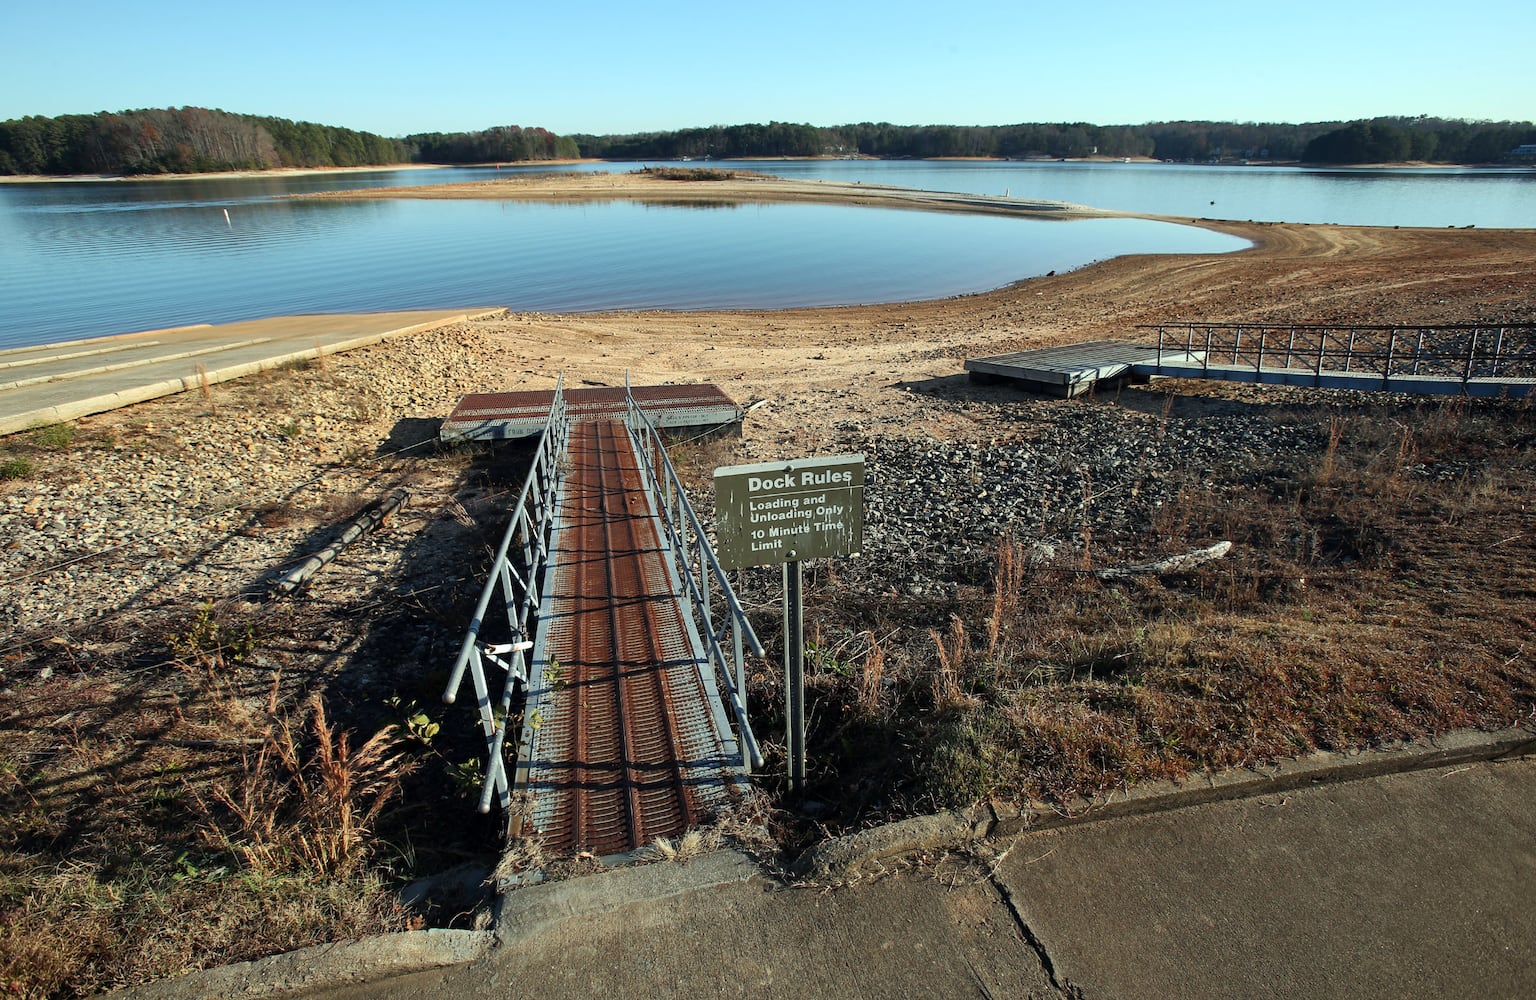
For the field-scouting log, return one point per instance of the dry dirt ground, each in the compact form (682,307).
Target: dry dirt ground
(143,655)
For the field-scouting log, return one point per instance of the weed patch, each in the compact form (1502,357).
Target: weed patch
(54,437)
(1379,588)
(16,467)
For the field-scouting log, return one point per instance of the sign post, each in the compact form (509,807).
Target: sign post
(794,674)
(783,513)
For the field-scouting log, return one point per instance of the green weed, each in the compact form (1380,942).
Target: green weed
(16,467)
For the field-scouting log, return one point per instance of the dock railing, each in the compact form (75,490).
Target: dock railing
(1458,352)
(729,635)
(514,575)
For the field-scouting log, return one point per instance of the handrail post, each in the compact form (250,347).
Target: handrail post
(528,526)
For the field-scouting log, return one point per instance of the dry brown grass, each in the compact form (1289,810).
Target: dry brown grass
(1379,589)
(182,815)
(305,804)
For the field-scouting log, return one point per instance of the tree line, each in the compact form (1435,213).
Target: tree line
(1381,140)
(187,140)
(504,144)
(1395,140)
(183,140)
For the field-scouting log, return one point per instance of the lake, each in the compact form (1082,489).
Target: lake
(87,259)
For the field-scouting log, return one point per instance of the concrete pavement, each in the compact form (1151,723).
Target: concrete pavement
(58,382)
(1406,885)
(1418,884)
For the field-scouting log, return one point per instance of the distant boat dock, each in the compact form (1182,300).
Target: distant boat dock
(1488,361)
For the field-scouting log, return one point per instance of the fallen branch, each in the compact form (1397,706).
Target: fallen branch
(360,526)
(1172,564)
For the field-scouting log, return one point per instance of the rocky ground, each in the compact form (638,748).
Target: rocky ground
(139,637)
(151,510)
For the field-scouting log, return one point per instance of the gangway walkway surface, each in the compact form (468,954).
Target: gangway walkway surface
(631,741)
(631,726)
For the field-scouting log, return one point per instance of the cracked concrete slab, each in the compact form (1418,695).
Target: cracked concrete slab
(1416,884)
(895,937)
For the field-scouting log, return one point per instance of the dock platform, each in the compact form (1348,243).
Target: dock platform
(1074,368)
(499,416)
(1489,360)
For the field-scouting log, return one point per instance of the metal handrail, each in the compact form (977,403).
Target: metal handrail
(519,599)
(1460,352)
(689,545)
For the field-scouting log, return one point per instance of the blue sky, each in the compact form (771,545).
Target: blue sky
(603,67)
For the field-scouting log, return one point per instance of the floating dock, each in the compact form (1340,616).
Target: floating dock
(1072,369)
(1475,360)
(500,416)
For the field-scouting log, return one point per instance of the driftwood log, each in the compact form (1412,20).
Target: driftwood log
(1171,564)
(361,525)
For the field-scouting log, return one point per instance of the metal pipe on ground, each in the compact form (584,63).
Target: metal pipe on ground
(365,522)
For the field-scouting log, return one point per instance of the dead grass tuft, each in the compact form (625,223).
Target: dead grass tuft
(305,804)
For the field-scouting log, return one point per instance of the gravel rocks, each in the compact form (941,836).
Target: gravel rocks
(188,499)
(1056,474)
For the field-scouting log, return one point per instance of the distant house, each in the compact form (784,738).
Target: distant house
(1525,152)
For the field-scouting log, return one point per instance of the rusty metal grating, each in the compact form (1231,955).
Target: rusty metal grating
(627,740)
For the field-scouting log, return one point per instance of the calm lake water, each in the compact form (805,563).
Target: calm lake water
(86,259)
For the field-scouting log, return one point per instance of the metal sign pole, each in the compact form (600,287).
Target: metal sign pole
(784,513)
(794,672)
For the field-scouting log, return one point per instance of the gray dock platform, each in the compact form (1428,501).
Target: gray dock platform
(1488,362)
(1074,368)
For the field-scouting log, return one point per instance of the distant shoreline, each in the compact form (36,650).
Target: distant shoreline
(273,172)
(524,164)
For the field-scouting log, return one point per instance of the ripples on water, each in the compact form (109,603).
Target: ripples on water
(82,260)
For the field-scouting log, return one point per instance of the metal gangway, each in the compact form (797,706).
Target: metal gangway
(607,652)
(1478,360)
(1455,360)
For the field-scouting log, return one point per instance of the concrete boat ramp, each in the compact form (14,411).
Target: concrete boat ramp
(56,382)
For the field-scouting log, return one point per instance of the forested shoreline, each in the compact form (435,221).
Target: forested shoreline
(199,140)
(1380,140)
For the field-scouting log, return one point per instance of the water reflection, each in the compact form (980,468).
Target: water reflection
(141,254)
(691,203)
(177,261)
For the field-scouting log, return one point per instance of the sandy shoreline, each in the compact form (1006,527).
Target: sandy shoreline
(742,187)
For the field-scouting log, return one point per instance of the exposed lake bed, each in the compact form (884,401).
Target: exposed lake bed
(1385,598)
